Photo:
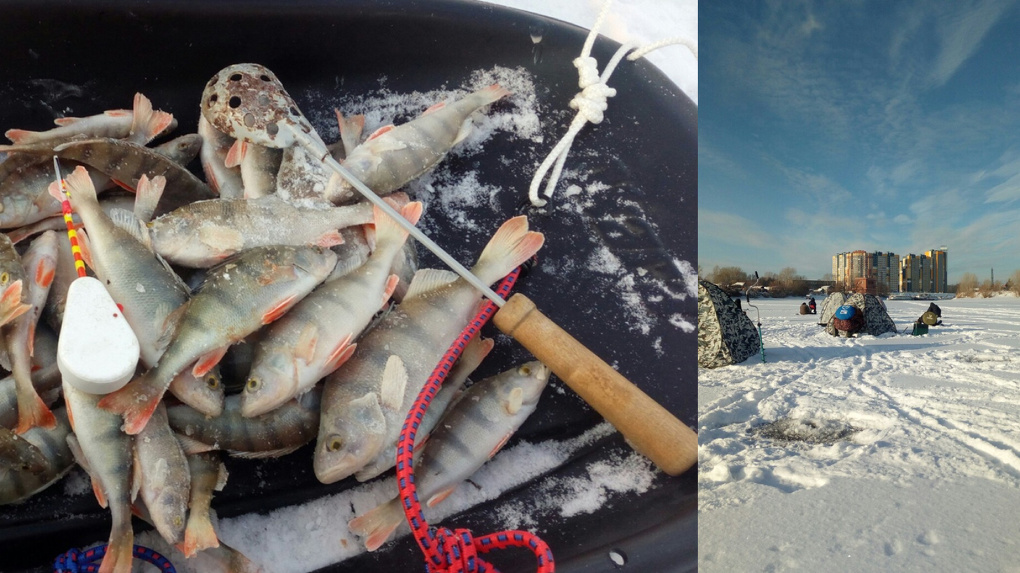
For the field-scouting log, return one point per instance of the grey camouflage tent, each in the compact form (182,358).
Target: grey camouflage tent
(725,334)
(829,306)
(876,318)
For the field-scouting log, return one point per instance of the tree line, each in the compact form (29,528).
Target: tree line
(786,282)
(970,287)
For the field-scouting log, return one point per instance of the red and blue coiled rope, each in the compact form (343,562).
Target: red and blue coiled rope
(455,551)
(88,561)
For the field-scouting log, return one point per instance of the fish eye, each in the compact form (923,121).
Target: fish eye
(524,370)
(253,384)
(4,277)
(212,382)
(334,444)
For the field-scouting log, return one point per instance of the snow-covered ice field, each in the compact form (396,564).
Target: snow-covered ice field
(909,449)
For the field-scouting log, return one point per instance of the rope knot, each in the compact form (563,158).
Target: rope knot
(457,549)
(590,102)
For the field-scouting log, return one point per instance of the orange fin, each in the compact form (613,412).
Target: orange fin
(11,306)
(33,415)
(44,273)
(236,153)
(97,489)
(329,239)
(135,402)
(199,535)
(500,445)
(341,353)
(123,185)
(18,136)
(376,133)
(86,248)
(434,107)
(279,310)
(147,123)
(511,245)
(208,361)
(439,497)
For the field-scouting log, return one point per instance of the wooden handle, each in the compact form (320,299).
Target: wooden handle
(649,428)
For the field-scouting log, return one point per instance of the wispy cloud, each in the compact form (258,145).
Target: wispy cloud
(864,125)
(961,31)
(732,229)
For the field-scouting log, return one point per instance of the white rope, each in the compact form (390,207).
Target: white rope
(591,101)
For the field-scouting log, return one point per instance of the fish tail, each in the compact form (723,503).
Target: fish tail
(199,535)
(492,93)
(119,556)
(11,306)
(377,525)
(136,402)
(147,123)
(32,411)
(388,233)
(509,247)
(19,136)
(80,186)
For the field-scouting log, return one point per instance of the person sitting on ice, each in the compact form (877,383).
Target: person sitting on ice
(848,320)
(932,316)
(812,306)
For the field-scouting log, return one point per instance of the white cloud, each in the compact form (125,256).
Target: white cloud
(731,229)
(961,31)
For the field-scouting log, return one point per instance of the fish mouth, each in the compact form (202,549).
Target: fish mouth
(338,469)
(253,404)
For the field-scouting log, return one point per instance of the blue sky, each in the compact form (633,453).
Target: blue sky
(827,127)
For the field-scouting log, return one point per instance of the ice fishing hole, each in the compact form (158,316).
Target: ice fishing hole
(272,129)
(619,558)
(235,102)
(213,98)
(265,78)
(811,431)
(235,77)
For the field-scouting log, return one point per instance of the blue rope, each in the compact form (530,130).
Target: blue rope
(76,561)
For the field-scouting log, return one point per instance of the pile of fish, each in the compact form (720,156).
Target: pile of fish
(340,329)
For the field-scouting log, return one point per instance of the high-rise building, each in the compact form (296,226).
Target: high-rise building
(884,268)
(910,273)
(924,273)
(939,273)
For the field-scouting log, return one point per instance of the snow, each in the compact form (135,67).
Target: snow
(639,21)
(892,453)
(317,530)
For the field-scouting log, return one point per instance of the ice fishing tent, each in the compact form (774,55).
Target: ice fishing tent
(725,334)
(876,318)
(832,302)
